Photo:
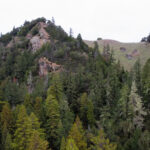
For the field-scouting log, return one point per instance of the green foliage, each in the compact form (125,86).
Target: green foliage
(77,134)
(6,38)
(28,26)
(28,103)
(37,143)
(35,31)
(76,55)
(100,142)
(56,32)
(8,142)
(38,108)
(71,145)
(13,93)
(138,76)
(28,133)
(23,62)
(122,104)
(83,107)
(56,89)
(53,123)
(136,107)
(146,83)
(23,130)
(6,117)
(59,53)
(90,113)
(63,144)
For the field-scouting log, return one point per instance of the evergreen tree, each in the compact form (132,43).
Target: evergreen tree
(38,108)
(71,145)
(123,116)
(77,134)
(8,142)
(100,142)
(53,124)
(28,103)
(6,117)
(90,113)
(123,102)
(35,124)
(136,107)
(36,142)
(67,117)
(23,131)
(146,84)
(137,76)
(83,107)
(63,144)
(6,123)
(57,90)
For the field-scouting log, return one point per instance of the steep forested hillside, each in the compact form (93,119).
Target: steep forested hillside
(57,93)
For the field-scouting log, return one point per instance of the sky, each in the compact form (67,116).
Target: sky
(122,20)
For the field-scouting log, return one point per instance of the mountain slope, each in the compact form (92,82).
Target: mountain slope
(127,53)
(22,50)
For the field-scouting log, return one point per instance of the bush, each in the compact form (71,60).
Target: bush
(59,53)
(35,31)
(76,55)
(6,38)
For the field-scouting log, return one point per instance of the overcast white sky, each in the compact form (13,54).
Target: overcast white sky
(122,20)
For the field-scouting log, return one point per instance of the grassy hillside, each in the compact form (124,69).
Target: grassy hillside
(127,53)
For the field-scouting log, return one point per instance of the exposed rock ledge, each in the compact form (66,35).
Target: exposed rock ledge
(46,66)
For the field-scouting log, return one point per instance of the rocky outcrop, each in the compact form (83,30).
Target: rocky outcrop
(38,40)
(123,49)
(46,66)
(135,53)
(37,43)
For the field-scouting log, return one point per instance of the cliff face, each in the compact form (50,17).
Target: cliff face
(35,41)
(46,66)
(41,38)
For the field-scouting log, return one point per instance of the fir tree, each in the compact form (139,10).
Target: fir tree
(6,117)
(77,134)
(90,113)
(123,102)
(53,124)
(38,108)
(63,144)
(8,142)
(136,107)
(36,142)
(23,130)
(83,107)
(35,124)
(57,90)
(28,103)
(71,145)
(100,142)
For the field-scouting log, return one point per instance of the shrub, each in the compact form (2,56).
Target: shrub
(59,53)
(35,31)
(76,55)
